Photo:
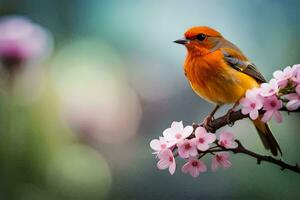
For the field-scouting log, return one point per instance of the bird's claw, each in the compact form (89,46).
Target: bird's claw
(207,123)
(228,118)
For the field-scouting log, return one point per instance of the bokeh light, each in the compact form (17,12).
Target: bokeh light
(78,172)
(97,100)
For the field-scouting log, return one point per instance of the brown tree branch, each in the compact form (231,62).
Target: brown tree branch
(235,116)
(242,150)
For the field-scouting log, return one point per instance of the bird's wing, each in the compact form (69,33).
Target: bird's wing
(235,58)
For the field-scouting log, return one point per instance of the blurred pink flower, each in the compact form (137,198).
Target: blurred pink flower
(160,145)
(194,167)
(294,99)
(269,89)
(251,104)
(296,74)
(203,139)
(297,89)
(272,105)
(283,76)
(177,132)
(296,67)
(186,148)
(220,159)
(226,140)
(166,160)
(23,40)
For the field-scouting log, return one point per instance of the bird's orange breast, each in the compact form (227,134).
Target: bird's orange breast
(214,80)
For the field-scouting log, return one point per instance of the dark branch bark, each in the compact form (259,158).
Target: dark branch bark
(235,116)
(242,150)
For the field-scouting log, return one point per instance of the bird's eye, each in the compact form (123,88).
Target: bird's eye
(201,37)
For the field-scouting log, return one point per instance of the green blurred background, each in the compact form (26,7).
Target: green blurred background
(79,126)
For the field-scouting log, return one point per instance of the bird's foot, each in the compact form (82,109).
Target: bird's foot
(207,123)
(228,117)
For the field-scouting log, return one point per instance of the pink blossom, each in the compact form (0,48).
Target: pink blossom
(160,145)
(283,76)
(297,89)
(296,74)
(251,104)
(194,167)
(203,139)
(296,67)
(220,159)
(177,132)
(294,99)
(166,160)
(226,140)
(21,39)
(272,105)
(269,89)
(187,148)
(253,93)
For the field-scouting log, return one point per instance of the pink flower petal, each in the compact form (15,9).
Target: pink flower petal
(177,126)
(293,105)
(225,155)
(200,131)
(292,96)
(272,103)
(183,153)
(193,152)
(194,167)
(202,166)
(172,168)
(253,114)
(210,138)
(214,164)
(267,116)
(298,87)
(232,145)
(282,83)
(227,140)
(177,132)
(165,154)
(168,134)
(187,148)
(277,116)
(226,135)
(220,159)
(155,145)
(194,172)
(166,160)
(278,74)
(186,168)
(226,163)
(246,110)
(162,164)
(187,131)
(203,147)
(269,89)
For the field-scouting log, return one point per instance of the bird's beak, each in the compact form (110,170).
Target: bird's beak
(182,41)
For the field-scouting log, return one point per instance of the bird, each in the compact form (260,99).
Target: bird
(220,73)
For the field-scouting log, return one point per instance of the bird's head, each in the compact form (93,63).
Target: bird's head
(200,39)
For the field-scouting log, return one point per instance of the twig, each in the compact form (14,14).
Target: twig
(242,150)
(235,116)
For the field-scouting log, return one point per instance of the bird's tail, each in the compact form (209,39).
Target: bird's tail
(267,137)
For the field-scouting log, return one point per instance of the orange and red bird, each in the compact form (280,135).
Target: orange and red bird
(220,73)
